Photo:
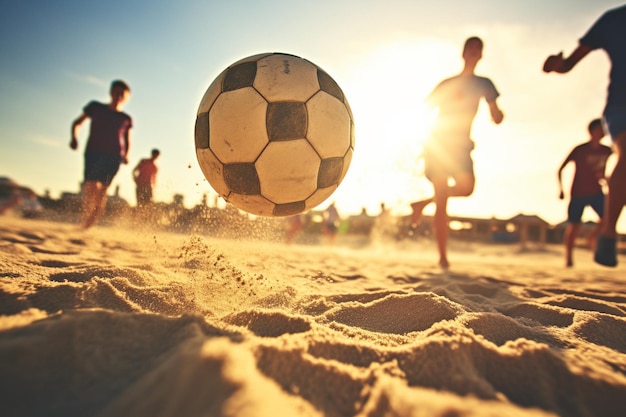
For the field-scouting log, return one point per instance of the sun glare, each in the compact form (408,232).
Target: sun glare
(392,121)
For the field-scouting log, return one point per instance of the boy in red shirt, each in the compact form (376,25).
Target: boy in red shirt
(607,33)
(144,175)
(590,161)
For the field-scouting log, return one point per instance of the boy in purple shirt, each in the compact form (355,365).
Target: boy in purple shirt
(608,33)
(107,147)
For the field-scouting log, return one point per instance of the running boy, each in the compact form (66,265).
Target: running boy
(608,33)
(447,155)
(107,147)
(590,161)
(144,175)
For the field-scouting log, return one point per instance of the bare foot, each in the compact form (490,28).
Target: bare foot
(417,208)
(444,264)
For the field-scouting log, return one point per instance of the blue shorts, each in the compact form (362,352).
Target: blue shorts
(577,206)
(101,167)
(615,120)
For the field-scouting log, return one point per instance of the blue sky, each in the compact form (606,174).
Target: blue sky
(57,56)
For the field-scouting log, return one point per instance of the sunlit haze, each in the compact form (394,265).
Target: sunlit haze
(386,56)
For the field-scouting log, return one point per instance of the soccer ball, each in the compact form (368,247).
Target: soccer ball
(274,135)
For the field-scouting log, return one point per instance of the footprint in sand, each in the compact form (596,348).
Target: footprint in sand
(546,315)
(604,330)
(396,313)
(32,235)
(499,329)
(51,263)
(86,273)
(38,249)
(484,290)
(586,304)
(269,324)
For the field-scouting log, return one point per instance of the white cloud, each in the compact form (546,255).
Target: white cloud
(47,141)
(88,79)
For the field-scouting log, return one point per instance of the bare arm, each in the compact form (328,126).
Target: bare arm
(126,146)
(563,165)
(556,63)
(75,127)
(137,169)
(496,114)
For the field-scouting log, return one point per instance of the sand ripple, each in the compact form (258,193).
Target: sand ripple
(112,323)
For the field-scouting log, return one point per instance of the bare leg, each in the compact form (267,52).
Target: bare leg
(616,197)
(418,208)
(606,247)
(90,189)
(593,236)
(570,237)
(94,201)
(463,186)
(102,201)
(441,220)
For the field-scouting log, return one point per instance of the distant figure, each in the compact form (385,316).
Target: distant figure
(10,196)
(107,148)
(331,222)
(294,225)
(144,175)
(589,159)
(384,225)
(31,207)
(608,33)
(447,154)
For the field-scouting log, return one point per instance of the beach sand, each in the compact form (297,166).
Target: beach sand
(114,322)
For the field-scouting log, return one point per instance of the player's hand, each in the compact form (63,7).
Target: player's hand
(553,62)
(561,195)
(74,144)
(497,117)
(125,160)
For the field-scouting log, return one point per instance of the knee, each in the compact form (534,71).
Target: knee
(466,190)
(464,185)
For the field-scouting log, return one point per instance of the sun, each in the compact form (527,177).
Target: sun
(392,121)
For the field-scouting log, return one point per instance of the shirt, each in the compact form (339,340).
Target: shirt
(145,173)
(108,129)
(457,99)
(590,165)
(609,33)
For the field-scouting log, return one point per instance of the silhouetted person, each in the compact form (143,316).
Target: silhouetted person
(107,148)
(10,196)
(447,154)
(294,225)
(330,224)
(589,159)
(144,175)
(608,33)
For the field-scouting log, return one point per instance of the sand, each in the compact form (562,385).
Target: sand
(122,322)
